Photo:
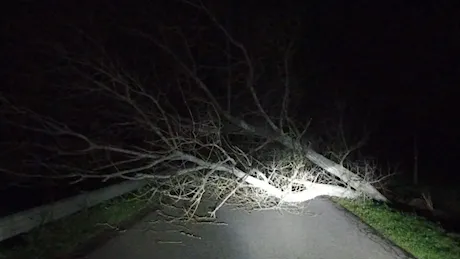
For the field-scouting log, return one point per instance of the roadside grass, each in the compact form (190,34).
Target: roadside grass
(416,235)
(63,236)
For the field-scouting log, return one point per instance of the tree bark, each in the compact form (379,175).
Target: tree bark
(355,181)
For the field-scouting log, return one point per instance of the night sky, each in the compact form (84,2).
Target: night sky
(394,63)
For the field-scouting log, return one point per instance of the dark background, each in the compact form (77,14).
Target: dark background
(394,63)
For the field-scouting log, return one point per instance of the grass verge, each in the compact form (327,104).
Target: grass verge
(416,235)
(62,237)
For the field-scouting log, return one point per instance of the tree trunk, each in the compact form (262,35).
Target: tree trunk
(330,166)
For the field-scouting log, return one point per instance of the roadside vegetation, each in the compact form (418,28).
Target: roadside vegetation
(415,234)
(63,237)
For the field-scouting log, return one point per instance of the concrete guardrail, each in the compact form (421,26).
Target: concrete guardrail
(25,221)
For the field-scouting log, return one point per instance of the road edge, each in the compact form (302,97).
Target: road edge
(372,229)
(100,239)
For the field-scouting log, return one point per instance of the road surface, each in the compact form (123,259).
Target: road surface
(323,230)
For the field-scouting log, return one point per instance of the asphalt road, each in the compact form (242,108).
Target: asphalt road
(323,230)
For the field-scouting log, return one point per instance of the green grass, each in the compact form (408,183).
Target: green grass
(416,235)
(63,236)
(421,238)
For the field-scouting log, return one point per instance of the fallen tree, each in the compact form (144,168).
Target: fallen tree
(178,136)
